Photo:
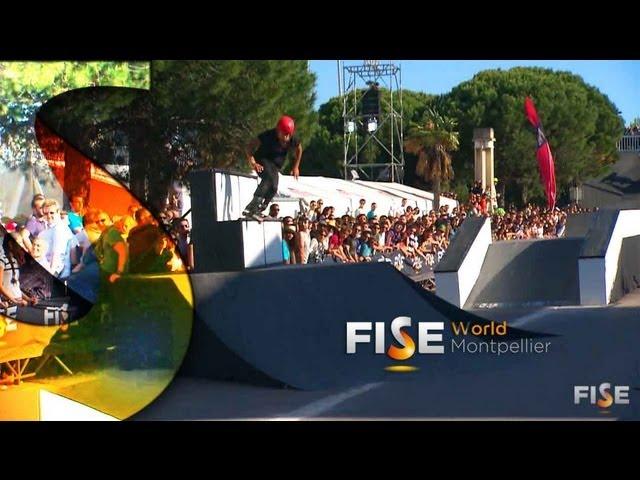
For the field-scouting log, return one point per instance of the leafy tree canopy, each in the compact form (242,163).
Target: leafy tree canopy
(24,86)
(581,124)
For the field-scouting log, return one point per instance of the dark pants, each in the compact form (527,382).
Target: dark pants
(268,186)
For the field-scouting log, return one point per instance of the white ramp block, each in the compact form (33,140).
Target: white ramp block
(253,243)
(597,274)
(232,194)
(273,243)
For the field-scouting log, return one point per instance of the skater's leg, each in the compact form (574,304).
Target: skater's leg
(266,181)
(270,172)
(258,196)
(254,205)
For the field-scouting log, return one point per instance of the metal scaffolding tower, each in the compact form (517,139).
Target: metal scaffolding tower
(361,85)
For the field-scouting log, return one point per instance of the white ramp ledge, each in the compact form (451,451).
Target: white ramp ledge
(597,273)
(454,285)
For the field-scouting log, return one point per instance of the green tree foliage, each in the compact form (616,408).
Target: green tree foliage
(206,112)
(24,86)
(324,154)
(225,103)
(581,124)
(432,140)
(196,114)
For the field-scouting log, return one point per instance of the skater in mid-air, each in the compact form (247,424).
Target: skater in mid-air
(266,155)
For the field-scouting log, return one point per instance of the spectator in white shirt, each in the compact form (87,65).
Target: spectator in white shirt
(398,210)
(361,210)
(60,240)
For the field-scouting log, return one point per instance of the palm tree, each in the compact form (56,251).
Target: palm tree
(433,140)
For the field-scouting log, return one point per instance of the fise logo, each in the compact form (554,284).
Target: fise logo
(429,337)
(588,392)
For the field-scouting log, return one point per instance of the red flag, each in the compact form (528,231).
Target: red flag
(543,153)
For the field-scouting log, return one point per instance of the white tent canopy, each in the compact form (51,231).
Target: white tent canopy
(345,195)
(234,191)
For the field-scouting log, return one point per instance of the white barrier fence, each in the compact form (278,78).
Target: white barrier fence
(629,143)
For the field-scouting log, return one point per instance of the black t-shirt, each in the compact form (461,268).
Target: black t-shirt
(271,150)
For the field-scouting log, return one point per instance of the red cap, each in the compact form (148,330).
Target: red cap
(286,125)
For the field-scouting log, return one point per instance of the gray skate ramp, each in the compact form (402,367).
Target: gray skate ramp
(592,345)
(529,273)
(578,224)
(287,325)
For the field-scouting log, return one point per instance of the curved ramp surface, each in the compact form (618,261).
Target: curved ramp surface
(287,325)
(590,346)
(528,273)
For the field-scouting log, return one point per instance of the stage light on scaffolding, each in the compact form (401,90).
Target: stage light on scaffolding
(351,126)
(372,125)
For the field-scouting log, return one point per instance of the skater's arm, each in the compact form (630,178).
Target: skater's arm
(251,149)
(295,171)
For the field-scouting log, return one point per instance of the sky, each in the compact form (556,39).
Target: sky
(618,79)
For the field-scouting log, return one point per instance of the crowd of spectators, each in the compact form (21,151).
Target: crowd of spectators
(319,231)
(85,240)
(88,244)
(632,130)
